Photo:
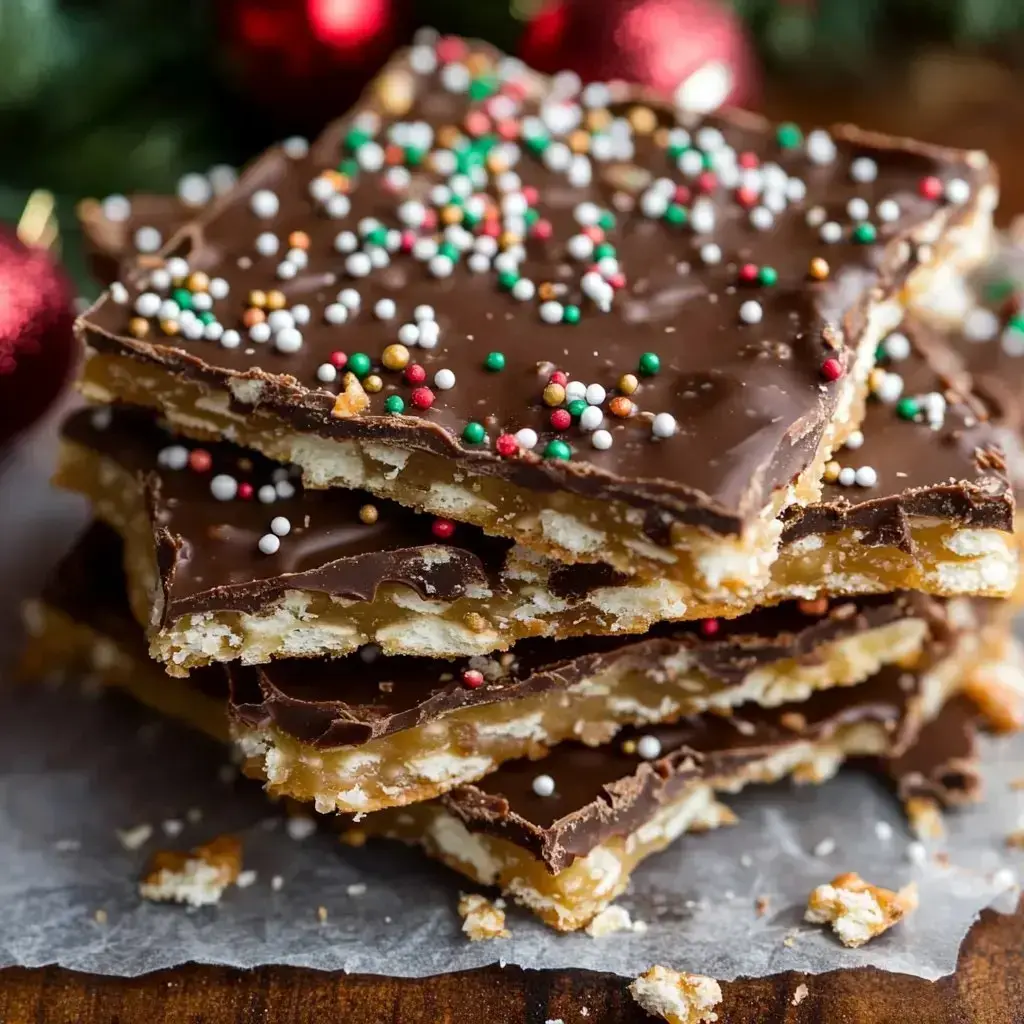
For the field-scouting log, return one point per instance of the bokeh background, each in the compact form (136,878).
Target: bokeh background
(102,96)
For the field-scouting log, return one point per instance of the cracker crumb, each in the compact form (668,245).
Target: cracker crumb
(198,877)
(277,883)
(677,997)
(194,815)
(761,905)
(800,993)
(925,818)
(789,941)
(857,910)
(100,916)
(611,920)
(1017,783)
(825,848)
(1015,840)
(300,827)
(883,831)
(245,879)
(917,854)
(134,838)
(321,914)
(67,845)
(352,401)
(1004,878)
(356,889)
(172,827)
(481,919)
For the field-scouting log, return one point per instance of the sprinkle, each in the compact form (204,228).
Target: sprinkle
(359,363)
(473,433)
(264,203)
(556,449)
(897,347)
(864,170)
(415,374)
(832,369)
(649,364)
(429,334)
(506,445)
(866,477)
(285,489)
(847,477)
(930,187)
(147,304)
(831,232)
(888,210)
(368,514)
(858,209)
(544,785)
(628,383)
(560,419)
(289,340)
(818,269)
(551,312)
(830,474)
(663,425)
(820,148)
(865,233)
(472,678)
(751,312)
(495,362)
(887,387)
(621,407)
(443,528)
(591,418)
(267,494)
(394,404)
(957,191)
(601,440)
(281,526)
(527,438)
(269,544)
(385,309)
(423,313)
(148,240)
(907,408)
(245,491)
(422,398)
(200,460)
(223,487)
(395,357)
(444,380)
(553,394)
(648,747)
(595,394)
(709,627)
(855,440)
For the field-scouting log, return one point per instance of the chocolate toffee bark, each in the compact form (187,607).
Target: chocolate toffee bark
(366,731)
(563,835)
(575,318)
(919,498)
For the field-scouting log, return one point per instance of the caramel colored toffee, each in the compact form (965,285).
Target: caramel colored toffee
(577,293)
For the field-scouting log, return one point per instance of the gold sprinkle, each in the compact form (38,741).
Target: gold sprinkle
(197,281)
(819,269)
(497,162)
(629,746)
(368,514)
(628,383)
(253,316)
(579,141)
(171,327)
(643,120)
(554,394)
(447,137)
(276,299)
(477,64)
(817,607)
(546,291)
(875,378)
(373,383)
(661,137)
(257,298)
(298,240)
(621,406)
(396,91)
(395,357)
(598,120)
(508,239)
(138,327)
(452,215)
(831,473)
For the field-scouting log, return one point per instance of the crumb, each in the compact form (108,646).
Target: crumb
(354,837)
(1015,840)
(917,854)
(584,1011)
(789,941)
(794,720)
(277,883)
(857,910)
(245,879)
(173,827)
(357,889)
(1004,878)
(68,845)
(198,877)
(194,815)
(134,838)
(826,847)
(481,919)
(100,916)
(942,859)
(611,920)
(1017,783)
(761,905)
(800,993)
(321,914)
(639,927)
(300,828)
(677,997)
(227,773)
(746,860)
(925,818)
(883,831)
(555,1020)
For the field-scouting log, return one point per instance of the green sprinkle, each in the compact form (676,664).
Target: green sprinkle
(768,276)
(571,314)
(1016,322)
(604,251)
(350,168)
(865,233)
(449,250)
(473,433)
(378,236)
(507,278)
(393,403)
(183,297)
(537,143)
(531,217)
(675,151)
(649,364)
(470,220)
(789,135)
(207,316)
(494,362)
(414,155)
(709,161)
(576,407)
(676,214)
(606,220)
(999,291)
(356,138)
(481,88)
(907,408)
(557,450)
(359,363)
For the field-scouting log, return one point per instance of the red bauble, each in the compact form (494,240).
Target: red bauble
(694,50)
(37,346)
(306,61)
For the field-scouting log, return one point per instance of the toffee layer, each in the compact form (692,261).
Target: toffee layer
(671,212)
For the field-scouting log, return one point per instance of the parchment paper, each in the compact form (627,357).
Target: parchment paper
(75,767)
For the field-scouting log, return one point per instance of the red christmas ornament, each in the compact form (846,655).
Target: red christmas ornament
(37,345)
(693,50)
(306,61)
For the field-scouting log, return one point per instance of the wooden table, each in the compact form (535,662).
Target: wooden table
(957,101)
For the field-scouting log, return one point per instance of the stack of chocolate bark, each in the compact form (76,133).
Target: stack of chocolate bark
(522,465)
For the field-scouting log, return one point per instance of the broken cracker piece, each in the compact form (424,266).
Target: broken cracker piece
(857,910)
(800,993)
(482,919)
(677,997)
(198,877)
(611,920)
(925,817)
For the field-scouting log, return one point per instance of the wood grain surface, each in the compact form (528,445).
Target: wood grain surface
(959,101)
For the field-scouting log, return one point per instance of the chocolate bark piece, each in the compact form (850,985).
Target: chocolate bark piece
(742,383)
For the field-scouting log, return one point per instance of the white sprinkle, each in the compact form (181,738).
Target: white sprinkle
(260,332)
(702,216)
(173,457)
(601,440)
(820,148)
(897,346)
(269,544)
(286,270)
(177,268)
(595,394)
(855,440)
(264,203)
(883,831)
(147,304)
(267,244)
(300,827)
(663,425)
(194,189)
(350,299)
(958,191)
(148,239)
(858,209)
(285,489)
(831,232)
(591,418)
(172,826)
(219,288)
(281,526)
(751,312)
(358,264)
(980,324)
(295,147)
(575,391)
(116,208)
(336,313)
(888,210)
(385,309)
(346,241)
(301,314)
(429,334)
(551,312)
(847,477)
(917,854)
(444,380)
(544,785)
(101,417)
(762,218)
(288,340)
(711,254)
(277,883)
(192,328)
(825,847)
(321,189)
(816,216)
(326,373)
(408,334)
(160,279)
(337,207)
(119,293)
(279,319)
(1004,878)
(297,256)
(648,747)
(423,313)
(230,339)
(579,247)
(653,204)
(889,388)
(267,494)
(479,263)
(224,487)
(524,290)
(441,266)
(864,170)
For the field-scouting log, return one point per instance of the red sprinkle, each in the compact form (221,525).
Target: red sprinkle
(530,194)
(450,49)
(337,360)
(542,229)
(682,195)
(748,161)
(560,419)
(422,398)
(930,187)
(707,182)
(477,123)
(709,627)
(594,232)
(832,369)
(442,528)
(506,445)
(429,220)
(245,491)
(746,196)
(748,273)
(617,280)
(472,678)
(491,228)
(200,460)
(415,374)
(559,377)
(408,240)
(508,129)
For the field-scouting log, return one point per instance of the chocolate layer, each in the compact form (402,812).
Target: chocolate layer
(611,791)
(750,400)
(927,441)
